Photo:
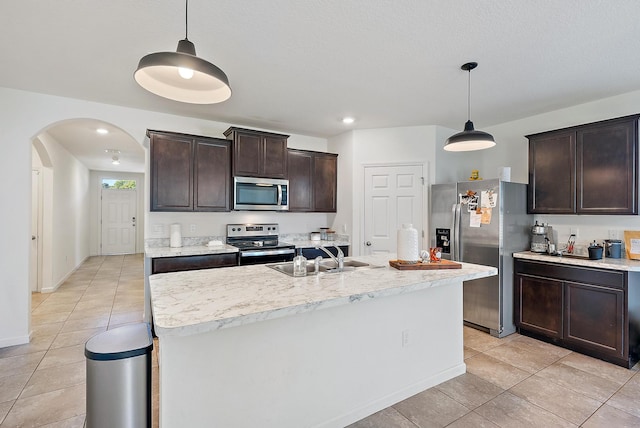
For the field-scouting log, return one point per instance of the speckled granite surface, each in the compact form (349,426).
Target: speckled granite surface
(194,302)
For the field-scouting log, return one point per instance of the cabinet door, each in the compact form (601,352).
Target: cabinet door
(247,154)
(538,306)
(300,180)
(274,157)
(552,188)
(171,173)
(325,182)
(606,169)
(212,175)
(594,318)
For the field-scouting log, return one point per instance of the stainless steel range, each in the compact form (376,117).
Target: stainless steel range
(259,243)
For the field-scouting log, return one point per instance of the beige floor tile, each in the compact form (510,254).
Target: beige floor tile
(609,417)
(510,411)
(470,352)
(4,409)
(47,308)
(85,323)
(470,390)
(75,422)
(627,398)
(580,381)
(88,305)
(526,355)
(126,317)
(431,408)
(37,344)
(62,356)
(472,420)
(479,340)
(21,364)
(129,307)
(75,337)
(495,371)
(48,329)
(48,318)
(11,386)
(597,367)
(47,408)
(53,378)
(386,418)
(90,313)
(561,401)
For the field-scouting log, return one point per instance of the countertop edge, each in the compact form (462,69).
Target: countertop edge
(605,263)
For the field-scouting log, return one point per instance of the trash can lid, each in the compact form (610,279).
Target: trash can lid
(122,342)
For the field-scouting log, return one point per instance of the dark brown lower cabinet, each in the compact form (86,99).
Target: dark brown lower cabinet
(182,263)
(592,311)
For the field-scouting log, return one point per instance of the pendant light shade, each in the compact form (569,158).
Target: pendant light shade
(182,76)
(469,139)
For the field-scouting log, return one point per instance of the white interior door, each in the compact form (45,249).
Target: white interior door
(393,196)
(34,262)
(118,221)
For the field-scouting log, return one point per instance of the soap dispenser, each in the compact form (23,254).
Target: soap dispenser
(300,264)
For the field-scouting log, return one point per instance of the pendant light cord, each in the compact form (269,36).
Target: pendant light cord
(469,97)
(186,20)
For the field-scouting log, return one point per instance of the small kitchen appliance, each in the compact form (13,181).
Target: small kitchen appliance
(595,251)
(260,194)
(539,238)
(259,243)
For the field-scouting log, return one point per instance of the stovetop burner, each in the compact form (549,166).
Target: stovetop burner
(255,236)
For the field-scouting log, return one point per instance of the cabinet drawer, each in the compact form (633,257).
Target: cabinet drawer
(586,275)
(182,263)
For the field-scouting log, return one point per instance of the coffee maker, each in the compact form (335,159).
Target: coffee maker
(541,237)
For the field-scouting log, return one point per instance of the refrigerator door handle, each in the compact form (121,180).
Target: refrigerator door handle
(455,229)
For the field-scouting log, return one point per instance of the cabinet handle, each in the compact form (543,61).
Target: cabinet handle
(368,243)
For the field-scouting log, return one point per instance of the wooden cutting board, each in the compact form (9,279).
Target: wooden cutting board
(442,264)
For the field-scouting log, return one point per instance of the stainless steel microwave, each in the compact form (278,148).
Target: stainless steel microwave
(260,194)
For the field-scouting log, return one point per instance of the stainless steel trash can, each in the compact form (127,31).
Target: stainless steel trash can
(119,377)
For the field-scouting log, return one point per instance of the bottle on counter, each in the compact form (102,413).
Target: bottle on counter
(300,264)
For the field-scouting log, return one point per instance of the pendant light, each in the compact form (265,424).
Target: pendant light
(469,139)
(181,75)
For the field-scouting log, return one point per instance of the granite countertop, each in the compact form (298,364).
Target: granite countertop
(307,243)
(193,302)
(605,263)
(192,250)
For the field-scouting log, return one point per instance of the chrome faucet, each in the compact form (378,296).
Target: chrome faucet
(339,260)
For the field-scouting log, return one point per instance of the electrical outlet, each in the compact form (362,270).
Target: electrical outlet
(192,228)
(614,234)
(574,231)
(405,338)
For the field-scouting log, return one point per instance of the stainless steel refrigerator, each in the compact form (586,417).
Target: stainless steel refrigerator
(483,222)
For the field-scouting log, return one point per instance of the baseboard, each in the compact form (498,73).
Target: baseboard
(395,397)
(12,341)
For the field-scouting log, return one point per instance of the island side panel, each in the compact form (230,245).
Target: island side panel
(323,368)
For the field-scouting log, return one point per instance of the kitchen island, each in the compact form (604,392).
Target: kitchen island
(249,346)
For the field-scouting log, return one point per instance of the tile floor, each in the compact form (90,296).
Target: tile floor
(510,382)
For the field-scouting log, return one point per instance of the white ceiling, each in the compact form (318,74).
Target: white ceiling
(300,65)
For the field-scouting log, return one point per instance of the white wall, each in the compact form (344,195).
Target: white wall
(95,207)
(69,214)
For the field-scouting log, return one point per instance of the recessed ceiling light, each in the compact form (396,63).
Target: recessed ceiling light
(102,131)
(115,160)
(348,120)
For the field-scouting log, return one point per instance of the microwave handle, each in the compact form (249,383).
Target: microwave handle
(279,194)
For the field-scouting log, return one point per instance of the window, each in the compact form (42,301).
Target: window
(109,183)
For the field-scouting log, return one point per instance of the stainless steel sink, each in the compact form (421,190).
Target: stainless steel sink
(326,266)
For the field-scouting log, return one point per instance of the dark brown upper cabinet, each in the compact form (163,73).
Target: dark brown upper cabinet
(586,169)
(257,153)
(313,180)
(189,173)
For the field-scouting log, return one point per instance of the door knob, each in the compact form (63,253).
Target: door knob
(33,237)
(368,243)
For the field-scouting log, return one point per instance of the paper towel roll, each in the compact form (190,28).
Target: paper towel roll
(408,248)
(176,236)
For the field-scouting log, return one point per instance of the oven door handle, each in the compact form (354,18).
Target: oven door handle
(258,253)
